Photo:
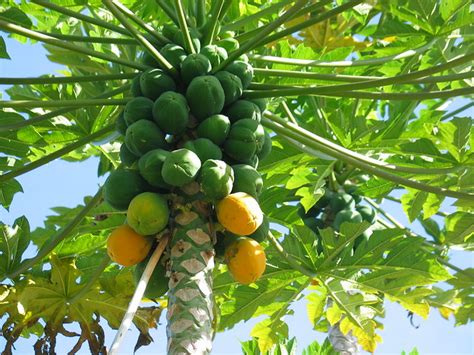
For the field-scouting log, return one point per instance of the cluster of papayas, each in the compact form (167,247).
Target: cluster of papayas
(192,128)
(333,209)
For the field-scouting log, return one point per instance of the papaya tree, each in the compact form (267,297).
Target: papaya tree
(247,147)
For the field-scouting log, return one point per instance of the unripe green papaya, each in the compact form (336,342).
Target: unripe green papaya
(122,186)
(180,167)
(245,139)
(204,149)
(247,179)
(179,39)
(313,223)
(215,128)
(244,58)
(229,44)
(135,89)
(149,60)
(126,156)
(150,165)
(342,201)
(266,148)
(158,284)
(169,31)
(226,34)
(173,54)
(120,124)
(205,96)
(368,213)
(138,108)
(143,136)
(154,82)
(261,103)
(216,179)
(171,112)
(243,109)
(346,215)
(261,234)
(193,66)
(215,54)
(232,86)
(243,70)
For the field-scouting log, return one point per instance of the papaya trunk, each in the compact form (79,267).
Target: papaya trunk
(344,344)
(190,297)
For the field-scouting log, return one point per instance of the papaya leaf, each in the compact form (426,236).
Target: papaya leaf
(3,49)
(8,191)
(14,241)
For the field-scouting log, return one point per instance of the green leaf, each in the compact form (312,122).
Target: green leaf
(8,191)
(459,227)
(14,241)
(3,49)
(15,15)
(268,332)
(413,202)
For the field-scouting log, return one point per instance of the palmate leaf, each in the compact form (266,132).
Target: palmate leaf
(13,243)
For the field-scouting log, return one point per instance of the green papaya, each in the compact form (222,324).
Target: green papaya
(158,284)
(247,179)
(204,149)
(243,70)
(341,201)
(135,89)
(149,60)
(180,167)
(120,124)
(216,179)
(266,148)
(261,103)
(324,200)
(169,31)
(227,34)
(229,44)
(179,39)
(138,108)
(154,82)
(126,156)
(368,213)
(122,186)
(215,128)
(245,139)
(346,215)
(357,198)
(313,223)
(193,66)
(171,112)
(261,234)
(244,58)
(243,109)
(215,54)
(173,54)
(143,136)
(150,165)
(205,96)
(232,86)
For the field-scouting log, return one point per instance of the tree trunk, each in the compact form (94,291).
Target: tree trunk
(343,344)
(190,308)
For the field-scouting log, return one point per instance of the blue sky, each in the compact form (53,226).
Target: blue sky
(65,184)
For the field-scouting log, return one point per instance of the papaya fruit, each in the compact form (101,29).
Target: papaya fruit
(135,89)
(171,112)
(205,96)
(314,223)
(174,54)
(169,31)
(204,149)
(244,58)
(247,179)
(341,201)
(243,70)
(246,138)
(138,108)
(122,186)
(193,66)
(148,213)
(178,38)
(216,179)
(149,60)
(181,167)
(158,284)
(215,54)
(126,247)
(243,109)
(266,147)
(150,165)
(261,103)
(246,260)
(346,215)
(229,44)
(154,82)
(120,124)
(368,214)
(226,34)
(261,234)
(215,128)
(143,136)
(126,156)
(239,213)
(232,86)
